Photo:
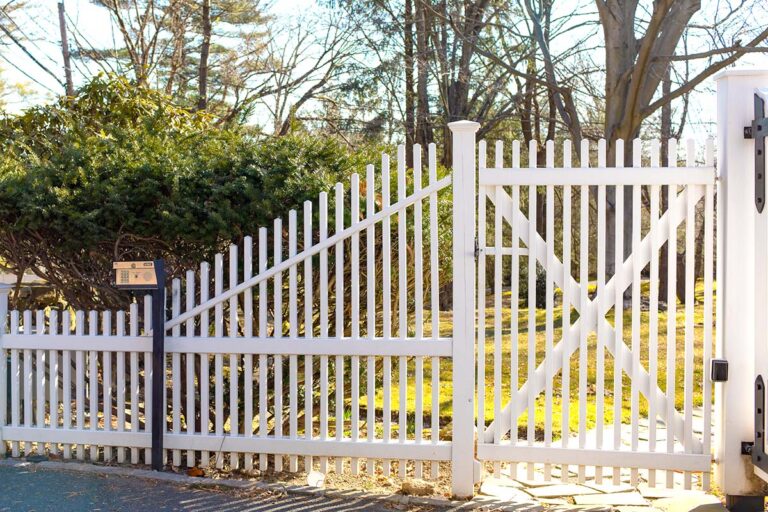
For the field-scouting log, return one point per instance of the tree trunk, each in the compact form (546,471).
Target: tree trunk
(666,133)
(65,50)
(202,86)
(424,134)
(410,119)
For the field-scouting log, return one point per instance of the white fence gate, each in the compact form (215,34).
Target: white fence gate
(370,374)
(589,368)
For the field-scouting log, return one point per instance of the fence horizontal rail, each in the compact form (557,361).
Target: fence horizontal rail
(222,345)
(592,457)
(598,176)
(378,449)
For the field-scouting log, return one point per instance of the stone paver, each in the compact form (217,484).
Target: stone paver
(560,490)
(609,487)
(613,499)
(500,489)
(687,502)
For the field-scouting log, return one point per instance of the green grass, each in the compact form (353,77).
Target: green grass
(590,372)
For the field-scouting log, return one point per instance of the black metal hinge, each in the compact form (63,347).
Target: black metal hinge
(757,450)
(758,131)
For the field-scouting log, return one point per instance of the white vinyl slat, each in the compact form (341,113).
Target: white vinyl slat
(566,310)
(218,328)
(402,288)
(434,303)
(308,333)
(618,390)
(532,271)
(600,345)
(653,310)
(247,358)
(636,320)
(176,370)
(549,328)
(339,376)
(53,381)
(323,326)
(190,414)
(690,283)
(277,333)
(106,408)
(234,427)
(134,389)
(671,307)
(263,412)
(16,385)
(386,298)
(79,384)
(584,331)
(370,310)
(147,392)
(293,385)
(355,312)
(418,299)
(204,383)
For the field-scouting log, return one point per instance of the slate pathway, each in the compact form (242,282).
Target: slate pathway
(539,497)
(32,489)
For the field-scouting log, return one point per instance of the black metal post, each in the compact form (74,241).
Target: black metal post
(158,367)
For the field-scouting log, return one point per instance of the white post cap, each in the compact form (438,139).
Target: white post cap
(464,126)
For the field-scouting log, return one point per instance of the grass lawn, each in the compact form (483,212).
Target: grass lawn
(607,398)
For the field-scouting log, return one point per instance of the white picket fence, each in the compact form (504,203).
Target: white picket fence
(364,371)
(240,343)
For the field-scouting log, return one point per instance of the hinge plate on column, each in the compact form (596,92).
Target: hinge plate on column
(759,457)
(758,131)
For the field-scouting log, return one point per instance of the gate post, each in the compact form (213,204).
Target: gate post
(738,308)
(462,451)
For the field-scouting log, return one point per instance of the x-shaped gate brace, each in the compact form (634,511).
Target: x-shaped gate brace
(675,213)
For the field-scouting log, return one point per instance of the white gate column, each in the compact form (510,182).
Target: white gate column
(739,265)
(464,200)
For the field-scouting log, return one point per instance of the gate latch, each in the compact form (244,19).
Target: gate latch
(758,130)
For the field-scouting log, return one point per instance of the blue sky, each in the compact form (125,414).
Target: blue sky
(40,23)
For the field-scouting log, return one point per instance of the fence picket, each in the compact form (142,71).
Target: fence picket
(566,308)
(323,326)
(532,274)
(671,340)
(263,413)
(338,373)
(293,332)
(121,384)
(107,382)
(434,297)
(355,300)
(134,381)
(386,298)
(189,332)
(309,367)
(277,332)
(205,381)
(402,288)
(218,328)
(370,310)
(418,299)
(600,346)
(234,359)
(549,301)
(247,358)
(618,309)
(176,370)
